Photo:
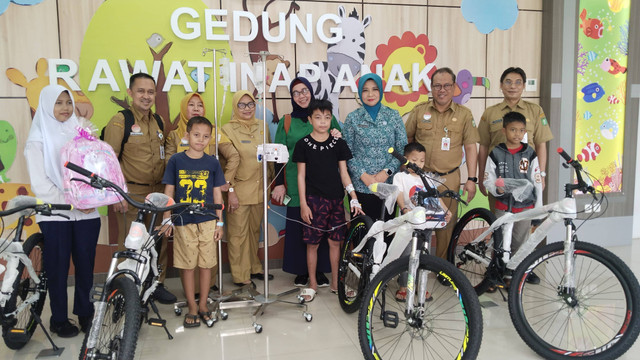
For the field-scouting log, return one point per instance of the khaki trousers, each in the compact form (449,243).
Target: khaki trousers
(243,226)
(443,236)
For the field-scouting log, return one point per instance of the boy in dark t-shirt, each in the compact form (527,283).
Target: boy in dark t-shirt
(322,173)
(195,177)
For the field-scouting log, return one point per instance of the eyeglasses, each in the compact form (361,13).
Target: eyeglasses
(249,105)
(438,87)
(304,92)
(508,82)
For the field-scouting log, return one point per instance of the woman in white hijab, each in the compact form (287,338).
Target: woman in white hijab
(54,124)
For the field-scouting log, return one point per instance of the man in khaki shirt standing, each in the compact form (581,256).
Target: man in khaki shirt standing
(444,128)
(512,84)
(141,160)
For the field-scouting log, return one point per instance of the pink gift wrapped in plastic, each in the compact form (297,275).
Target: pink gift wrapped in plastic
(98,157)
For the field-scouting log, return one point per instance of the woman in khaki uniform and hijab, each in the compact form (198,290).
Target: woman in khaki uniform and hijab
(244,209)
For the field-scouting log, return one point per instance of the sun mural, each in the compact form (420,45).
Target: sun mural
(406,51)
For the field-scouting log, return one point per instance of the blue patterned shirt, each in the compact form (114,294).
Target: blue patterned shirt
(370,140)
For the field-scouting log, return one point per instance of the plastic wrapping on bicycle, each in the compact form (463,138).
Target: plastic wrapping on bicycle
(430,190)
(154,202)
(21,202)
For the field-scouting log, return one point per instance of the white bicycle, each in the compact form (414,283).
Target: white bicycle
(24,287)
(587,303)
(440,318)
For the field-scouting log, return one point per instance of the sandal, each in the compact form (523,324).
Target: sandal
(191,321)
(308,292)
(207,318)
(401,295)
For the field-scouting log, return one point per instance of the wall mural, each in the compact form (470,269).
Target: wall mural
(488,15)
(4,4)
(601,89)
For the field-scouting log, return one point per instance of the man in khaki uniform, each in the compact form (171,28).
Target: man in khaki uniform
(512,83)
(142,162)
(444,128)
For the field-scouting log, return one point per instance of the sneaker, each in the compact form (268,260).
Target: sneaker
(533,278)
(163,296)
(301,280)
(64,329)
(322,280)
(260,276)
(85,323)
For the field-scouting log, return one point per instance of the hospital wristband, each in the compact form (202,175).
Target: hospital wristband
(167,221)
(355,204)
(349,188)
(220,224)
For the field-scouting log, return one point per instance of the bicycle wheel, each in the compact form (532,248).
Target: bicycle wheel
(352,270)
(447,327)
(119,329)
(468,228)
(598,322)
(18,331)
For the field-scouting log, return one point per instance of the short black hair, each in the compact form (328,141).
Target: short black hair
(516,70)
(413,146)
(198,120)
(443,70)
(140,75)
(511,117)
(322,105)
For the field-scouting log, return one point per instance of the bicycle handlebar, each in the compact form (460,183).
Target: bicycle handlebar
(581,185)
(430,190)
(39,206)
(100,183)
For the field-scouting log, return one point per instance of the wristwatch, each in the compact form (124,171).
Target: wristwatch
(388,171)
(543,174)
(474,179)
(231,189)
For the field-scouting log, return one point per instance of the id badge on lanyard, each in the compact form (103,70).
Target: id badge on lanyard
(446,141)
(160,136)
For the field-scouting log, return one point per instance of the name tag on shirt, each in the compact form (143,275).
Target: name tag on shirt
(446,144)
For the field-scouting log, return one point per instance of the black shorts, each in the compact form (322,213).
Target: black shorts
(327,213)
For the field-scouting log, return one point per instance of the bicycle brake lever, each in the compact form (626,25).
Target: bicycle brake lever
(62,215)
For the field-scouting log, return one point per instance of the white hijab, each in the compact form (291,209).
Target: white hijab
(51,133)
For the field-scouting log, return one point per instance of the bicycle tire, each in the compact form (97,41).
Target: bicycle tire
(468,227)
(119,329)
(24,287)
(450,329)
(557,337)
(350,285)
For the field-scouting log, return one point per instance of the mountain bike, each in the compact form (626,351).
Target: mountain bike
(586,300)
(123,301)
(441,317)
(24,288)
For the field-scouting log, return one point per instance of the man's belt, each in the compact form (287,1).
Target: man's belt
(448,172)
(135,183)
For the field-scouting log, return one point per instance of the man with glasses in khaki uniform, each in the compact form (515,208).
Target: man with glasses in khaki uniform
(512,84)
(444,128)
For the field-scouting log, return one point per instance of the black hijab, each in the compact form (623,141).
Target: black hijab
(299,112)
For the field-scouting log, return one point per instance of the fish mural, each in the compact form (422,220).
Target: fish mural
(612,67)
(609,129)
(587,115)
(617,5)
(592,92)
(592,55)
(589,152)
(612,99)
(592,27)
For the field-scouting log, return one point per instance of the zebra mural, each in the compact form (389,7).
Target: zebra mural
(348,51)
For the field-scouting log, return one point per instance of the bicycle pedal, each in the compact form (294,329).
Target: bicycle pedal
(157,322)
(357,255)
(96,292)
(390,319)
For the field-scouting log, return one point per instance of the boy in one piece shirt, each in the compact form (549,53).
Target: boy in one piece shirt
(514,160)
(322,179)
(195,177)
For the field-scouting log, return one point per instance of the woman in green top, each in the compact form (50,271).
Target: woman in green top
(292,128)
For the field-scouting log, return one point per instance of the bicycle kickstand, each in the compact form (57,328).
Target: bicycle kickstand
(55,350)
(159,321)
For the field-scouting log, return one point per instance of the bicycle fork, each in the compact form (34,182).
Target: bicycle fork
(567,289)
(414,261)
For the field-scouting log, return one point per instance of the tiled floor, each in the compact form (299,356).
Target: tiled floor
(286,335)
